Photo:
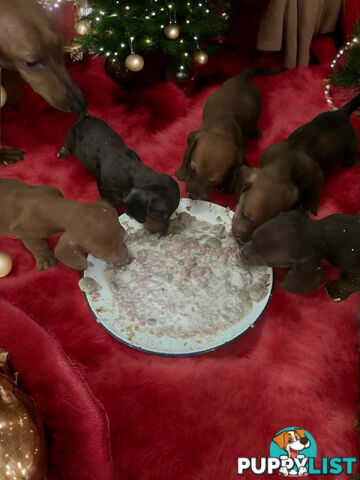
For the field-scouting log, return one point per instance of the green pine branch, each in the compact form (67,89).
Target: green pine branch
(347,73)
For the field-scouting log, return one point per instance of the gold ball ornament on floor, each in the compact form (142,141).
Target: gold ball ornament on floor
(82,27)
(5,264)
(134,62)
(3,96)
(201,57)
(172,31)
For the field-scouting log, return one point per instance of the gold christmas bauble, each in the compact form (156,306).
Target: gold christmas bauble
(201,57)
(82,27)
(172,31)
(5,264)
(3,96)
(134,62)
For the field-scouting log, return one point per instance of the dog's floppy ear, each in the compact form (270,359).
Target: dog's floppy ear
(183,172)
(281,439)
(244,177)
(304,277)
(231,180)
(68,252)
(136,204)
(133,155)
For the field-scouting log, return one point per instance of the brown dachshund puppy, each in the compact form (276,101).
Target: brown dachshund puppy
(216,149)
(30,44)
(291,172)
(294,240)
(148,196)
(33,213)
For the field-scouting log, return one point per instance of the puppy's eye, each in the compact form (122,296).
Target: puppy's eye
(245,216)
(290,440)
(34,64)
(296,437)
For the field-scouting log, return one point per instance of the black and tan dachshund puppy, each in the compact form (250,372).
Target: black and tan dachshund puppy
(216,149)
(294,240)
(291,172)
(148,196)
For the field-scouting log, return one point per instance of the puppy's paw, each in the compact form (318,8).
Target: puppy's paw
(339,290)
(46,262)
(63,152)
(10,156)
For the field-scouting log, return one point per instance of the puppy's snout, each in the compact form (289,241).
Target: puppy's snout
(77,102)
(193,196)
(120,257)
(154,226)
(250,256)
(304,441)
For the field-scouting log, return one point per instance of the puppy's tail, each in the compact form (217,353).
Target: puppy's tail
(349,107)
(253,72)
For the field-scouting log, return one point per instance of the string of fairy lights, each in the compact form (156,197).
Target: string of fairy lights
(348,46)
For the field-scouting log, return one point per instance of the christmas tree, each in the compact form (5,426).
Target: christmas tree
(184,31)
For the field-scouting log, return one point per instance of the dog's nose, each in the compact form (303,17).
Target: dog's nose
(304,441)
(77,102)
(193,196)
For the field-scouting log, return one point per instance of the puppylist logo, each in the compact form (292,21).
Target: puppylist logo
(292,454)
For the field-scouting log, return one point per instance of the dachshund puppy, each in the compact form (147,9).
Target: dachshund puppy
(31,45)
(148,196)
(33,213)
(216,149)
(291,172)
(294,240)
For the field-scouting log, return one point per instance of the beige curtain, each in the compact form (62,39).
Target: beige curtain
(291,24)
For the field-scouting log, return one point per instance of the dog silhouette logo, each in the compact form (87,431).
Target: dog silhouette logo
(293,446)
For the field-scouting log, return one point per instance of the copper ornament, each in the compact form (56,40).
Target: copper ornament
(134,62)
(172,31)
(22,439)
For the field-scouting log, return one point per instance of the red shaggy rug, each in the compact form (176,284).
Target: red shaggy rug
(174,418)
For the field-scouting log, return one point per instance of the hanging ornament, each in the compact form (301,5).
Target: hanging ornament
(22,452)
(201,57)
(3,96)
(172,31)
(82,27)
(5,265)
(134,62)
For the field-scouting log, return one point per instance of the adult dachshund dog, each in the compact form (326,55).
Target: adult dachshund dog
(148,196)
(216,149)
(291,172)
(30,44)
(32,213)
(294,240)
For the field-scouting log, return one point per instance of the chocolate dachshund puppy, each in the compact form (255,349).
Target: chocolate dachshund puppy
(291,172)
(33,213)
(148,196)
(216,149)
(294,240)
